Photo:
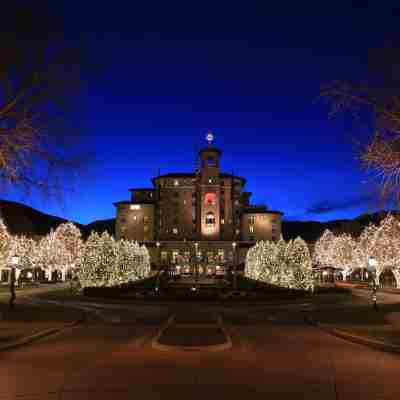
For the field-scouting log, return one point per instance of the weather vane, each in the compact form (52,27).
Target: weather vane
(209,137)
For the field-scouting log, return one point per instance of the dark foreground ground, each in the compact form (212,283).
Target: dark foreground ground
(278,359)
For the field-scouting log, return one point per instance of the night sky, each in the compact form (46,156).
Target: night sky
(168,73)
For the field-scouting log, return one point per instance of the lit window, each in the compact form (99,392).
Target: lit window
(176,182)
(236,202)
(222,221)
(135,217)
(175,231)
(135,207)
(151,194)
(210,218)
(175,254)
(123,228)
(145,218)
(237,231)
(251,228)
(210,180)
(164,255)
(184,202)
(146,228)
(210,199)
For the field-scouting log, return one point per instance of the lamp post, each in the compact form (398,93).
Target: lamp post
(196,266)
(373,263)
(234,266)
(14,264)
(158,266)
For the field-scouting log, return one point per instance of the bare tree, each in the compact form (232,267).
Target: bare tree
(379,103)
(39,81)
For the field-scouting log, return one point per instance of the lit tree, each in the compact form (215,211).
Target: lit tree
(299,265)
(323,250)
(365,248)
(70,235)
(342,253)
(25,249)
(90,272)
(133,262)
(385,247)
(52,254)
(5,244)
(106,262)
(260,262)
(282,264)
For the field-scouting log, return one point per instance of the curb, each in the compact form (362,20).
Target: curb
(155,344)
(374,344)
(37,336)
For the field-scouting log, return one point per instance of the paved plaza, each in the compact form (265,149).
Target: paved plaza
(277,356)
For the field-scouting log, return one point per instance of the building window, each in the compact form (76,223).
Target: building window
(175,255)
(210,218)
(146,228)
(237,231)
(135,217)
(145,219)
(222,221)
(184,202)
(122,220)
(236,202)
(176,182)
(135,207)
(164,255)
(251,228)
(175,231)
(123,228)
(210,180)
(221,255)
(210,199)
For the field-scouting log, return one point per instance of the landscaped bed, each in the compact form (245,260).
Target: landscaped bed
(163,289)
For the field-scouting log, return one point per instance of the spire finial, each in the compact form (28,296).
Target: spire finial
(210,137)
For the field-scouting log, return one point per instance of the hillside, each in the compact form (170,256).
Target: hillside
(24,220)
(21,219)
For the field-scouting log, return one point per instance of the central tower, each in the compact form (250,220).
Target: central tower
(209,191)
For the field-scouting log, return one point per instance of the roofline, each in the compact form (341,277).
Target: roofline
(193,175)
(142,190)
(204,149)
(249,211)
(117,203)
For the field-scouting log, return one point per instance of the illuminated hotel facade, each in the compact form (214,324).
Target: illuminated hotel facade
(202,219)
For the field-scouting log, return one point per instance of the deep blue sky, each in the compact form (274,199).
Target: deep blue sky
(251,73)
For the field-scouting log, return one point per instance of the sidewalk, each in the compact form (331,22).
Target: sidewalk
(26,322)
(376,328)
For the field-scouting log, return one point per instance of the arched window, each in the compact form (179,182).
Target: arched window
(210,219)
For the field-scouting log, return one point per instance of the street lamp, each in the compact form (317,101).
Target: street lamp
(14,264)
(196,245)
(158,266)
(373,263)
(234,265)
